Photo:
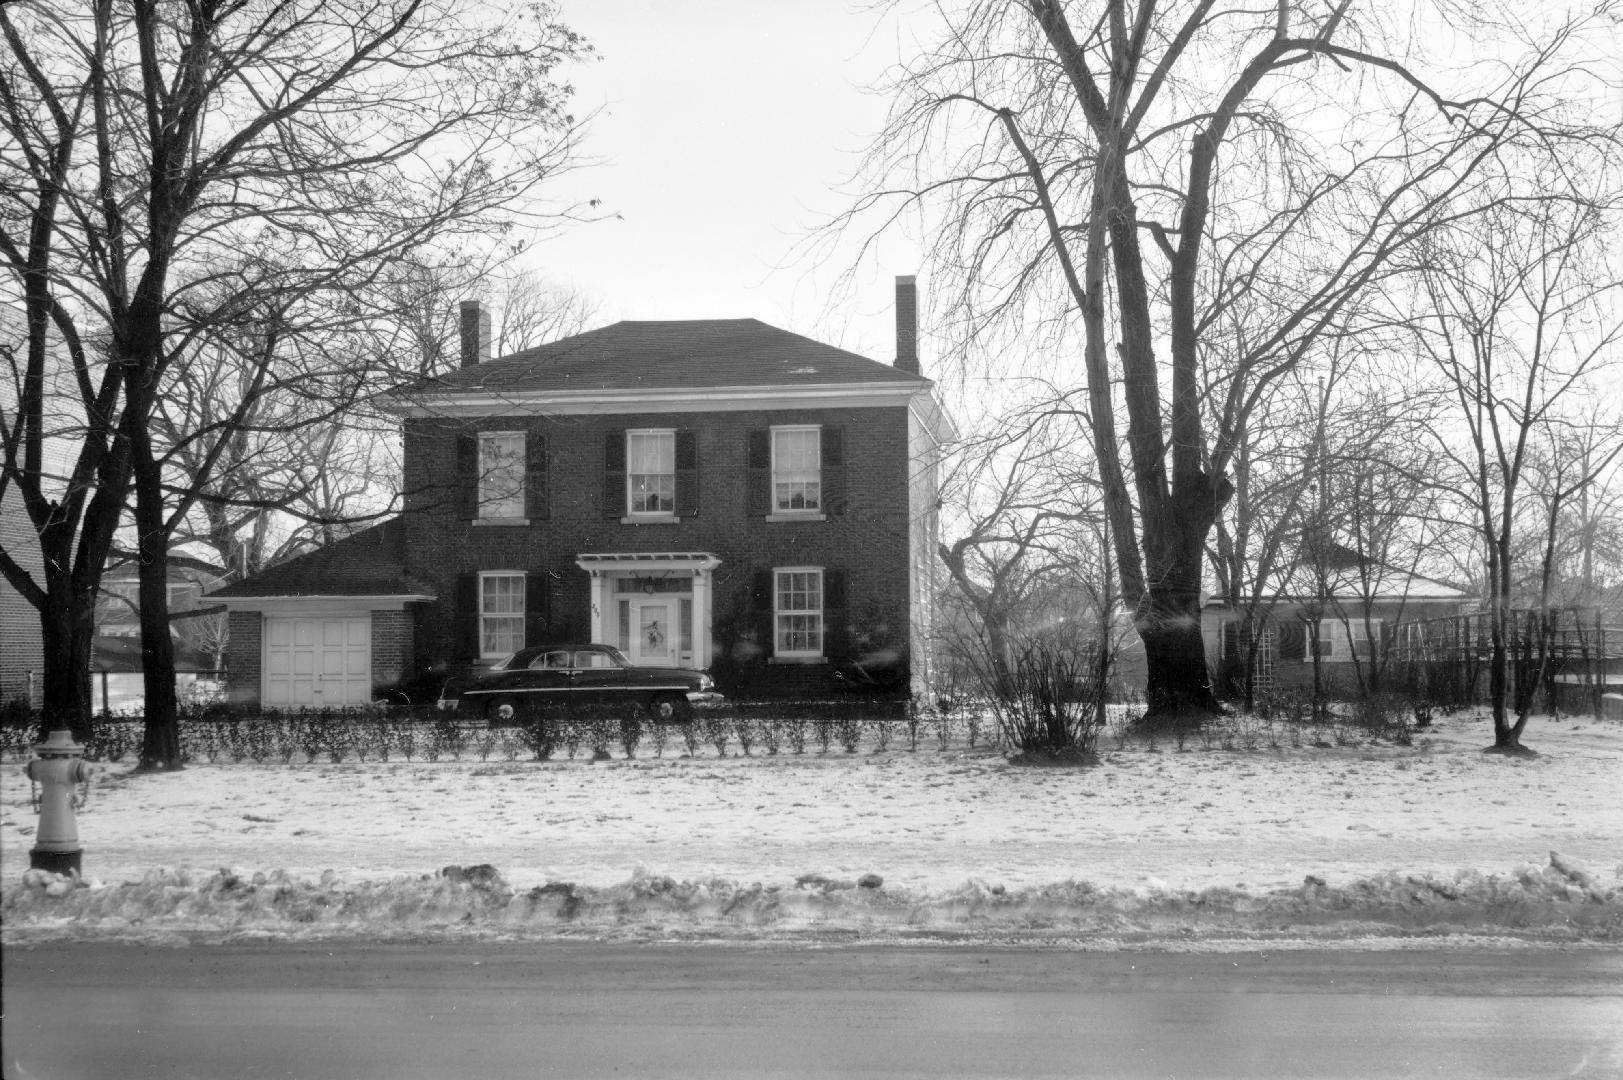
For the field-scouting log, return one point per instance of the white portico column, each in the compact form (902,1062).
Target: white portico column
(701,619)
(599,605)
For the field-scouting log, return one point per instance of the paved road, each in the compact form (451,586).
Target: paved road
(583,1010)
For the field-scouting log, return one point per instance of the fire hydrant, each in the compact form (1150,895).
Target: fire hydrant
(58,766)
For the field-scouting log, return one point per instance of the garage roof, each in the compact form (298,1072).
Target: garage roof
(368,563)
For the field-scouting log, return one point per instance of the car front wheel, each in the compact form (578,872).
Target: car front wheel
(671,709)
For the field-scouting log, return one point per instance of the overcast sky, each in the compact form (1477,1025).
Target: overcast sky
(728,130)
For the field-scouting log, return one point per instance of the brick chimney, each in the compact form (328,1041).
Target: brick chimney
(475,333)
(907,325)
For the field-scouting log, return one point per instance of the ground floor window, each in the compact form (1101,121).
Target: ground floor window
(1340,640)
(798,611)
(501,614)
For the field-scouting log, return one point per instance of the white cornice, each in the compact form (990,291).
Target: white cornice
(599,402)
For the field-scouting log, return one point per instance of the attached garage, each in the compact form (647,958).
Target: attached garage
(331,629)
(317,662)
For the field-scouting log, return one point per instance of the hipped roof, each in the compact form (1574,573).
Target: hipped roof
(674,354)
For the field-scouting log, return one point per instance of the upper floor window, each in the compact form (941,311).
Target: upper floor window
(796,472)
(501,614)
(797,612)
(797,483)
(651,472)
(501,474)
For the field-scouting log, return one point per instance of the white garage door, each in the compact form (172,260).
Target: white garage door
(318,662)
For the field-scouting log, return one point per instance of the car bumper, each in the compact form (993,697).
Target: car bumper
(704,699)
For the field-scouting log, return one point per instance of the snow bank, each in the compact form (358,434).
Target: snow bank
(1562,901)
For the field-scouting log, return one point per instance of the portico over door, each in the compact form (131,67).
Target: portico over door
(654,606)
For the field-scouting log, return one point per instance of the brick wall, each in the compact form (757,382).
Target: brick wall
(870,541)
(243,657)
(392,634)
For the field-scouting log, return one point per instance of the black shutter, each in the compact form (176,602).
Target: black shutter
(832,463)
(836,616)
(1292,639)
(467,476)
(614,475)
(758,479)
(761,602)
(466,617)
(537,499)
(687,474)
(537,607)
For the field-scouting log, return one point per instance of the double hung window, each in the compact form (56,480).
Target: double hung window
(651,472)
(501,614)
(501,474)
(798,612)
(797,483)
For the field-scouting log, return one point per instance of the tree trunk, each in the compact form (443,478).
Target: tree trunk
(66,647)
(1179,687)
(160,741)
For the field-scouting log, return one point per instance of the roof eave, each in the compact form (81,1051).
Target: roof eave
(483,402)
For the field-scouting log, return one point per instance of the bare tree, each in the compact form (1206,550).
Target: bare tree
(1015,489)
(169,164)
(1520,319)
(1117,175)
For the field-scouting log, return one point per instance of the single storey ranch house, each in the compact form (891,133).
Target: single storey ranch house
(716,494)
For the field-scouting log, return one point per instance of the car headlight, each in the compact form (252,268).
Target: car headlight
(706,683)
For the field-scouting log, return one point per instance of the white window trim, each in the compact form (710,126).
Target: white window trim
(484,517)
(800,655)
(645,517)
(520,614)
(775,513)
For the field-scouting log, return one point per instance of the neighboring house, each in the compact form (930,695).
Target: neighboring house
(1343,613)
(22,655)
(199,638)
(712,494)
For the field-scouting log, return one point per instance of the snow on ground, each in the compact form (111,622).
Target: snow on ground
(1432,838)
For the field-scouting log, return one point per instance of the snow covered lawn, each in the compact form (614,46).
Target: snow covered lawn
(1151,841)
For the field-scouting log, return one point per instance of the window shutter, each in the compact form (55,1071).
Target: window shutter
(836,617)
(758,481)
(537,499)
(761,605)
(614,475)
(832,464)
(1292,639)
(467,476)
(687,474)
(537,607)
(466,617)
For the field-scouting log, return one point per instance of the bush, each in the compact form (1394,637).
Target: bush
(1049,702)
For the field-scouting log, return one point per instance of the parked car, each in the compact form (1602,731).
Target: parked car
(560,675)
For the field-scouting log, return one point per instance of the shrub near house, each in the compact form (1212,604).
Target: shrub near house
(711,494)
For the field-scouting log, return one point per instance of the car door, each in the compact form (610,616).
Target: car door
(597,677)
(546,681)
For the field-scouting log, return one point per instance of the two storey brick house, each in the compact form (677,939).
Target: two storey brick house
(714,494)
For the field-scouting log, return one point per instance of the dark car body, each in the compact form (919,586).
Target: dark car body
(552,676)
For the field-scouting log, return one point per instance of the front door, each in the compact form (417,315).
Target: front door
(653,633)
